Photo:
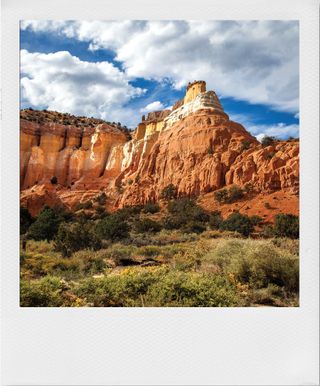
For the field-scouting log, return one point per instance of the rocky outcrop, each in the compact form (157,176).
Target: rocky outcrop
(194,146)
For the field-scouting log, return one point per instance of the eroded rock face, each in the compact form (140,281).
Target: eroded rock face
(193,146)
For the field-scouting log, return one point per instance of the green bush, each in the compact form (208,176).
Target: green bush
(215,219)
(187,209)
(74,237)
(169,192)
(286,225)
(194,227)
(239,223)
(245,144)
(47,223)
(84,205)
(235,193)
(102,198)
(158,288)
(112,228)
(147,225)
(221,195)
(25,220)
(258,263)
(267,141)
(46,292)
(151,207)
(128,212)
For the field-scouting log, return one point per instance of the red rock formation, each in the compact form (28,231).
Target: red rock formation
(194,146)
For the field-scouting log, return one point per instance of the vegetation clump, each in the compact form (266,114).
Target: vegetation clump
(169,192)
(286,225)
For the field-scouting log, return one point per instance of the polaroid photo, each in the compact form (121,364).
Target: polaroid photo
(159,192)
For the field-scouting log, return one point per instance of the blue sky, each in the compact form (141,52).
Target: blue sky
(119,70)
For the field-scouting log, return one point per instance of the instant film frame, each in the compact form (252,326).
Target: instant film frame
(157,346)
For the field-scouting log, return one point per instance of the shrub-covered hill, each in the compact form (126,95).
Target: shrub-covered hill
(43,116)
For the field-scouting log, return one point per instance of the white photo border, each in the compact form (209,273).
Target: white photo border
(161,346)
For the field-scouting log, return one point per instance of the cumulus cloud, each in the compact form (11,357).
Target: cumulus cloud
(278,130)
(154,106)
(64,83)
(254,61)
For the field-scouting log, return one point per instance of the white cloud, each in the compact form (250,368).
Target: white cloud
(64,83)
(255,61)
(154,106)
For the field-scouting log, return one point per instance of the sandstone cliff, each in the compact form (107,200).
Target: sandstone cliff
(194,146)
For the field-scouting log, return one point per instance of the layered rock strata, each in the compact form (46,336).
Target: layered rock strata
(194,146)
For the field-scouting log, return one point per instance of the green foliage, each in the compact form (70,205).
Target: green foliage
(158,287)
(72,237)
(184,213)
(147,225)
(245,144)
(128,212)
(151,207)
(258,263)
(25,220)
(221,195)
(256,220)
(101,212)
(239,223)
(102,198)
(47,223)
(215,219)
(187,208)
(84,205)
(46,292)
(235,193)
(112,228)
(169,192)
(267,141)
(54,180)
(286,225)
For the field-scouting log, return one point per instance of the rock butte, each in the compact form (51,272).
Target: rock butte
(194,146)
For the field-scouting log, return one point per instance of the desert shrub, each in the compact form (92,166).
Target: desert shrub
(147,225)
(84,205)
(100,212)
(46,292)
(112,228)
(194,227)
(257,263)
(151,207)
(190,289)
(173,222)
(158,287)
(248,188)
(256,220)
(188,210)
(221,195)
(72,237)
(245,144)
(47,223)
(215,219)
(128,212)
(235,193)
(102,198)
(54,180)
(267,141)
(169,192)
(239,223)
(267,205)
(25,220)
(286,225)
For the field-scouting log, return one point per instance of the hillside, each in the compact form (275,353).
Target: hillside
(194,146)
